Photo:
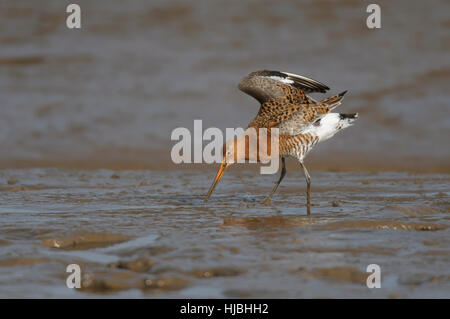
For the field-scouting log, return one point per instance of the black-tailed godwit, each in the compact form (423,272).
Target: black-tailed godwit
(302,122)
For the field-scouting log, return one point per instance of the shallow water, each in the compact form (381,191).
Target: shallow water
(110,94)
(149,234)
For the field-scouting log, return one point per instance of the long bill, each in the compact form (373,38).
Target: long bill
(219,175)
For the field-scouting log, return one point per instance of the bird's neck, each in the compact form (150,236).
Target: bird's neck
(256,145)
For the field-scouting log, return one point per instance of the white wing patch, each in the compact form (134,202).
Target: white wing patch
(282,80)
(296,76)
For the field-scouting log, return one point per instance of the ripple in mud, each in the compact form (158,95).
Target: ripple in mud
(119,281)
(422,278)
(157,250)
(12,181)
(267,222)
(375,224)
(21,262)
(165,283)
(85,241)
(138,265)
(341,274)
(414,211)
(110,282)
(217,272)
(356,251)
(21,188)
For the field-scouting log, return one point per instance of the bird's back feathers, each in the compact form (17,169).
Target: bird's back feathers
(284,103)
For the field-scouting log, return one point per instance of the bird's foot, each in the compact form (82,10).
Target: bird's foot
(267,202)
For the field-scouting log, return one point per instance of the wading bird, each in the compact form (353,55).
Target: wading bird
(302,122)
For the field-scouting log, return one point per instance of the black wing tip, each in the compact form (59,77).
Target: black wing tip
(308,82)
(322,89)
(300,81)
(342,93)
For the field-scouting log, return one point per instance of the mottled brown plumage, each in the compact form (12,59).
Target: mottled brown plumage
(301,121)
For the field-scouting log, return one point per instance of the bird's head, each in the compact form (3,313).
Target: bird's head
(246,147)
(234,150)
(230,154)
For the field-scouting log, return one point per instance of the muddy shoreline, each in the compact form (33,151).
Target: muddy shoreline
(121,159)
(142,233)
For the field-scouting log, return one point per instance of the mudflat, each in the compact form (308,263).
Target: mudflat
(142,233)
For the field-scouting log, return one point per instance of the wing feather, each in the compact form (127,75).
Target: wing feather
(264,85)
(283,99)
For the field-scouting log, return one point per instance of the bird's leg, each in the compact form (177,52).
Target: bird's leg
(283,172)
(308,188)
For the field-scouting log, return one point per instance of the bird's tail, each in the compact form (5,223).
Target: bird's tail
(334,101)
(331,123)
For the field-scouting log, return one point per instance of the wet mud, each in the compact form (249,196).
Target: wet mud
(149,234)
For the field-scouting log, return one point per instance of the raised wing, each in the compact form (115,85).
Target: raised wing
(283,98)
(265,85)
